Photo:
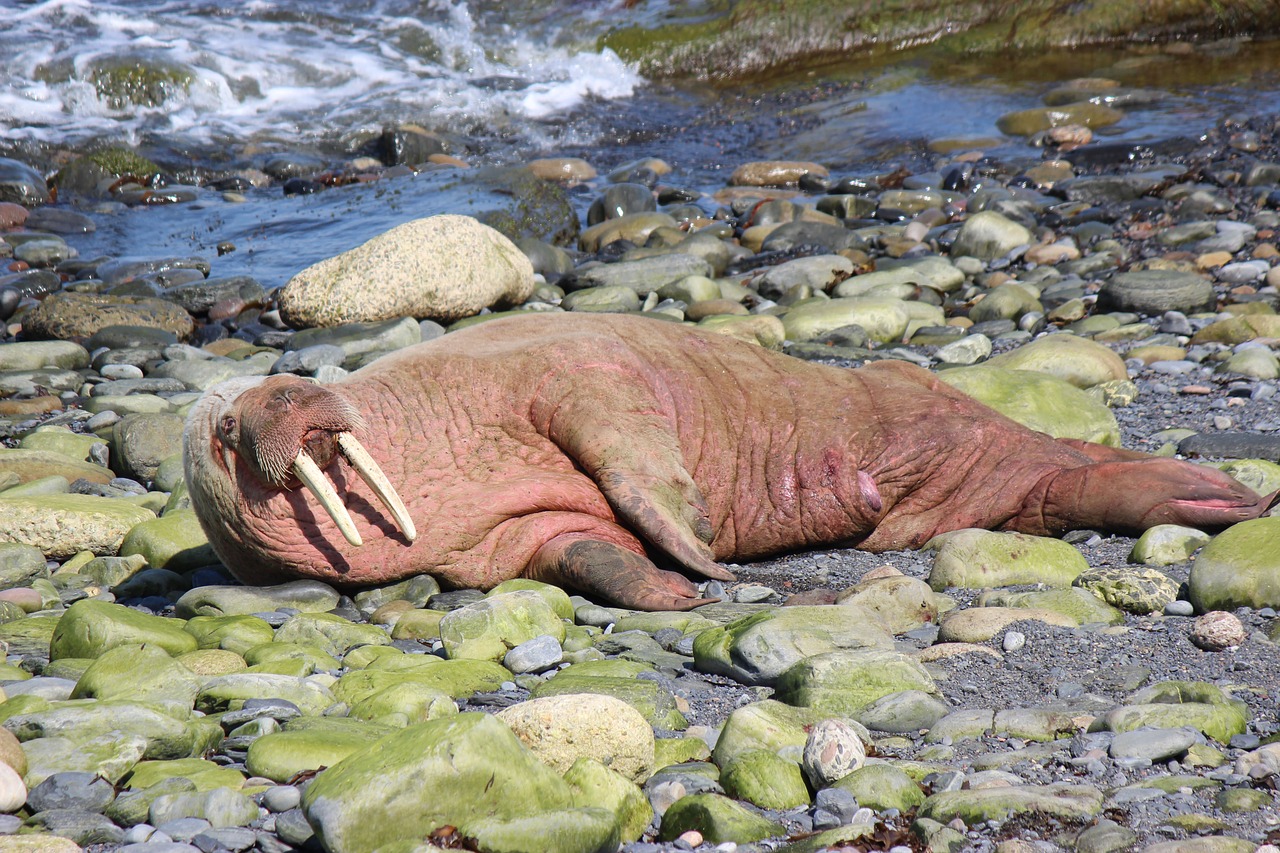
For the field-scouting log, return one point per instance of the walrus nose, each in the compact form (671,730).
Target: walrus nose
(310,474)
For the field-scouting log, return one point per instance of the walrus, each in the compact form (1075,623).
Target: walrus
(588,450)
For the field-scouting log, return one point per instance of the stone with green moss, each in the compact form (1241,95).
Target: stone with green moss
(765,779)
(89,627)
(677,750)
(458,678)
(282,755)
(882,786)
(596,786)
(236,634)
(1064,801)
(142,674)
(718,819)
(229,692)
(844,683)
(773,726)
(489,628)
(651,699)
(331,633)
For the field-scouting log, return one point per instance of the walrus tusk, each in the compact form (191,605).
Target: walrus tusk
(315,480)
(369,471)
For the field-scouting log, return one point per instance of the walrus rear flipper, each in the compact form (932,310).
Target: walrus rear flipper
(613,573)
(1131,496)
(630,449)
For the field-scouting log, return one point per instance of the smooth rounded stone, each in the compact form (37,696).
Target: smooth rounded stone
(988,235)
(970,349)
(1000,803)
(32,465)
(1079,605)
(13,791)
(1259,763)
(885,320)
(1153,292)
(904,712)
(1166,544)
(200,375)
(832,751)
(1232,445)
(404,704)
(980,624)
(642,276)
(1153,745)
(1009,301)
(20,564)
(976,559)
(1037,401)
(63,525)
(717,819)
(1210,844)
(488,629)
(1257,363)
(230,691)
(1239,567)
(457,678)
(361,340)
(766,780)
(237,634)
(330,633)
(769,725)
(281,798)
(1217,631)
(83,827)
(789,236)
(308,360)
(1175,704)
(1084,112)
(595,785)
(896,603)
(306,596)
(559,730)
(762,329)
(882,787)
(467,771)
(653,700)
(847,682)
(694,290)
(34,355)
(43,251)
(817,271)
(1238,330)
(77,316)
(1105,836)
(536,655)
(272,652)
(48,687)
(89,628)
(1077,360)
(198,296)
(758,649)
(774,173)
(280,756)
(619,199)
(141,674)
(20,184)
(173,541)
(1139,591)
(79,791)
(441,267)
(221,807)
(603,300)
(633,227)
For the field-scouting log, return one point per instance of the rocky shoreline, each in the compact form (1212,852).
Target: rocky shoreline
(991,692)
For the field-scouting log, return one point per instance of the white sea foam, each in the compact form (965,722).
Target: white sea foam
(302,68)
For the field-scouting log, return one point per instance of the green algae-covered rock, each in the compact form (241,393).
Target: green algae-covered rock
(173,541)
(1166,544)
(1038,401)
(844,683)
(897,604)
(30,636)
(1172,704)
(677,750)
(468,771)
(133,806)
(282,755)
(236,634)
(1258,474)
(162,736)
(63,525)
(594,785)
(1080,361)
(884,320)
(307,596)
(561,729)
(20,564)
(203,774)
(141,674)
(89,627)
(270,652)
(110,755)
(230,692)
(1240,567)
(975,806)
(765,779)
(757,649)
(458,678)
(718,819)
(989,235)
(1078,604)
(220,806)
(554,595)
(881,787)
(404,704)
(1140,591)
(977,559)
(654,702)
(329,632)
(770,725)
(489,628)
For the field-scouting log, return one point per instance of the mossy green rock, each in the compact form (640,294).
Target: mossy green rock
(203,774)
(677,750)
(1258,474)
(331,633)
(110,755)
(1235,800)
(1080,361)
(20,564)
(979,559)
(844,683)
(770,725)
(718,819)
(1078,604)
(1038,401)
(30,636)
(467,771)
(765,779)
(221,807)
(458,678)
(1240,567)
(489,628)
(1166,544)
(39,464)
(133,806)
(89,627)
(553,595)
(1140,591)
(897,604)
(63,525)
(1171,704)
(270,652)
(989,235)
(655,703)
(162,736)
(307,596)
(757,649)
(1077,802)
(173,541)
(61,440)
(236,634)
(404,704)
(1036,119)
(282,755)
(142,674)
(596,786)
(226,692)
(882,786)
(884,320)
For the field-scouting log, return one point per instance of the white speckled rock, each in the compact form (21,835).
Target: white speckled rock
(441,267)
(561,729)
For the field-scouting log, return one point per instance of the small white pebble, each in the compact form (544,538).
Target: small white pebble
(1013,640)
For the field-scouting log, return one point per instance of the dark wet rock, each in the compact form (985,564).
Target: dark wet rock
(59,220)
(619,200)
(1154,292)
(35,283)
(117,270)
(72,790)
(409,144)
(21,184)
(1232,445)
(93,174)
(76,316)
(198,297)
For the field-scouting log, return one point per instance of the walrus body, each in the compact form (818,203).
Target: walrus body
(580,449)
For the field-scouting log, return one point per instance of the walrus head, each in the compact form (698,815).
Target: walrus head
(285,430)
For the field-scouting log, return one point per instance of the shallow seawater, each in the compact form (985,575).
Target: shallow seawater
(506,83)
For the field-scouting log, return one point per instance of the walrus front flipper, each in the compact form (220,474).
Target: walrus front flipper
(612,572)
(629,448)
(1133,495)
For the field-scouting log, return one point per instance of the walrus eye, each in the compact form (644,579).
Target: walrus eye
(229,428)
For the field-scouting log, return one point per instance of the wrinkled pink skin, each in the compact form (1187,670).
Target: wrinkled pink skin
(583,449)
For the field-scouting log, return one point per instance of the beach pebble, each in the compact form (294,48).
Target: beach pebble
(1217,631)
